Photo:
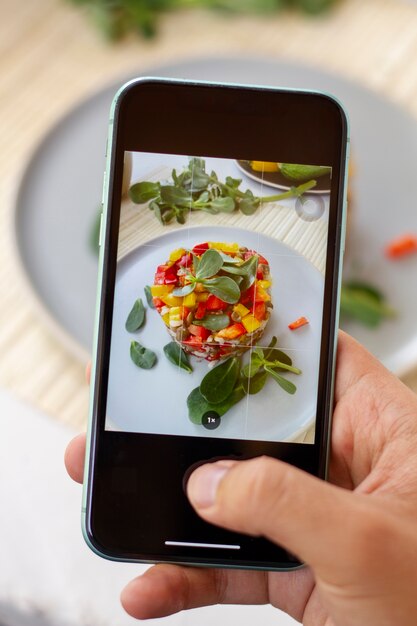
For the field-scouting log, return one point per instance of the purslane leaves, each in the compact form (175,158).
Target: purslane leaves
(194,189)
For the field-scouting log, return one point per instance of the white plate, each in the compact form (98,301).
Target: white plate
(263,177)
(154,401)
(61,190)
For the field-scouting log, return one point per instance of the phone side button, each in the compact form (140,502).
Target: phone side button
(100,235)
(103,194)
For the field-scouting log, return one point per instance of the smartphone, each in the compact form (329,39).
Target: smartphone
(221,247)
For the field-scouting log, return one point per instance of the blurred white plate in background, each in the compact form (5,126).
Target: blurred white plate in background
(61,191)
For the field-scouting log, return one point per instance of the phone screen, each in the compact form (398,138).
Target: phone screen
(218,301)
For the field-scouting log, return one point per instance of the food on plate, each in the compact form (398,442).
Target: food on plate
(141,356)
(228,383)
(292,171)
(298,323)
(401,246)
(215,299)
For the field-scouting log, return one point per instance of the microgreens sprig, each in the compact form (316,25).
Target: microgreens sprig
(195,190)
(228,383)
(270,363)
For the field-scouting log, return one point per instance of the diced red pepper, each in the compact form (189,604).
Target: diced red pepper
(214,303)
(225,349)
(199,331)
(200,311)
(165,275)
(184,312)
(401,246)
(302,321)
(232,332)
(193,342)
(259,274)
(248,297)
(259,311)
(158,302)
(200,248)
(250,253)
(185,260)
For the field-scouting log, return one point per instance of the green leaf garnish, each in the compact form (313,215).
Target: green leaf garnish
(170,194)
(223,205)
(148,295)
(213,321)
(210,263)
(143,192)
(136,317)
(287,385)
(219,382)
(198,405)
(256,383)
(184,291)
(224,288)
(177,356)
(141,356)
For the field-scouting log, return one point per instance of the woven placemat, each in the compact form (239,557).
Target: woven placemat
(51,58)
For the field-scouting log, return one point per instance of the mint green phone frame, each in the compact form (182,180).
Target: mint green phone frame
(91,428)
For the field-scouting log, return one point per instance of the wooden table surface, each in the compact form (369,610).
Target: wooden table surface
(51,58)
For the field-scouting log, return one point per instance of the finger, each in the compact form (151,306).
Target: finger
(74,458)
(266,497)
(353,363)
(167,589)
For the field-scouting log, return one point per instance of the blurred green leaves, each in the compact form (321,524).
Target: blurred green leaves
(116,18)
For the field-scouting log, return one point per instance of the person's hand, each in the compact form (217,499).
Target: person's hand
(357,535)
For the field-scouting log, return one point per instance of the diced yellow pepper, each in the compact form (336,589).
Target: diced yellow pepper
(224,247)
(166,318)
(202,296)
(264,283)
(250,323)
(261,294)
(171,300)
(241,310)
(161,290)
(190,300)
(176,254)
(264,166)
(199,288)
(175,314)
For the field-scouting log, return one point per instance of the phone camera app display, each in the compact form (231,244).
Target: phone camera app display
(218,300)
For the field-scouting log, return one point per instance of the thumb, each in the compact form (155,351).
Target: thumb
(264,496)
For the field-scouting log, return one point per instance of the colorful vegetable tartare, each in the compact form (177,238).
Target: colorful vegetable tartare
(214,299)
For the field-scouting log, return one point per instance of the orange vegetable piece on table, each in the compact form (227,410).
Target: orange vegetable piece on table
(302,321)
(401,246)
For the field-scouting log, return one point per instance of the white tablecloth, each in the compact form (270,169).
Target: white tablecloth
(45,566)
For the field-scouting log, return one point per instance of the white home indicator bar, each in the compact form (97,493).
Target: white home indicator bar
(189,544)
